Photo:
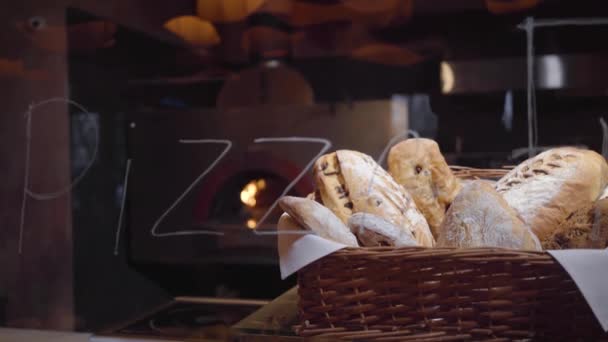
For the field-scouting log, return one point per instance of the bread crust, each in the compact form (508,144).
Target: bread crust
(350,182)
(418,165)
(317,218)
(480,217)
(372,230)
(548,189)
(598,238)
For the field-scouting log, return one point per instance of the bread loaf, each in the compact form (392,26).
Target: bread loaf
(315,196)
(315,217)
(599,226)
(288,224)
(351,182)
(585,228)
(480,217)
(372,230)
(419,166)
(552,188)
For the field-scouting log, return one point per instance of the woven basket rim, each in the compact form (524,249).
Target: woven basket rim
(439,252)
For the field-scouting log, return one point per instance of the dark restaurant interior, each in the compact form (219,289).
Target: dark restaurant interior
(144,144)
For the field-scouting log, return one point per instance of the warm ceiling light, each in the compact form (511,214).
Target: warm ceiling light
(251,223)
(194,30)
(447,78)
(226,10)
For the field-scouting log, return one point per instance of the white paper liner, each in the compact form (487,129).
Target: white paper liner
(297,251)
(589,270)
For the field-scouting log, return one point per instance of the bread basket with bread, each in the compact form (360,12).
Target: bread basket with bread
(432,252)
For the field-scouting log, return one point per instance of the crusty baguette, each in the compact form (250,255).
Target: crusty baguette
(419,166)
(480,217)
(350,182)
(317,218)
(372,230)
(550,188)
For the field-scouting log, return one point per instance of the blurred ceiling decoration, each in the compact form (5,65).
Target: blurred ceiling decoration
(270,83)
(279,8)
(339,40)
(510,6)
(266,42)
(226,11)
(386,54)
(194,30)
(367,6)
(15,68)
(307,14)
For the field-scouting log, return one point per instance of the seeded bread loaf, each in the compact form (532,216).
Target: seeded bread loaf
(351,182)
(552,188)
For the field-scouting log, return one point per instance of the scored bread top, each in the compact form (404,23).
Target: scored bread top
(545,190)
(351,182)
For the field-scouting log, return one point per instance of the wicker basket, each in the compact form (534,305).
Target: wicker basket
(445,294)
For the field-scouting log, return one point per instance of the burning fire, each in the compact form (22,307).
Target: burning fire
(250,190)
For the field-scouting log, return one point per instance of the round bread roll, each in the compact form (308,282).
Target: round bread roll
(351,182)
(480,217)
(419,166)
(372,230)
(315,217)
(550,189)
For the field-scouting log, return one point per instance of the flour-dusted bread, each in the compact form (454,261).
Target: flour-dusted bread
(480,217)
(372,230)
(351,182)
(598,237)
(419,166)
(552,187)
(315,196)
(315,217)
(288,224)
(585,228)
